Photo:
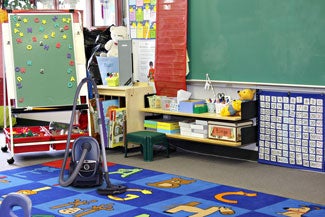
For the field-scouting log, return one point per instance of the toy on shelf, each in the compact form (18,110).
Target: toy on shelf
(117,33)
(234,107)
(246,94)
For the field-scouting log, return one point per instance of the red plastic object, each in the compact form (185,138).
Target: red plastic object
(171,41)
(40,134)
(61,146)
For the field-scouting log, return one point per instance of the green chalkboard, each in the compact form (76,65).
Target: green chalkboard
(43,58)
(259,41)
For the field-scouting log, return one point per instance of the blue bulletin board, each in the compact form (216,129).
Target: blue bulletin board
(291,129)
(43,59)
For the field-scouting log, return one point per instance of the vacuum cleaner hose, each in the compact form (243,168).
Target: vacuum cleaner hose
(85,148)
(110,188)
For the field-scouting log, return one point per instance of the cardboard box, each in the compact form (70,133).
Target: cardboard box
(230,131)
(187,106)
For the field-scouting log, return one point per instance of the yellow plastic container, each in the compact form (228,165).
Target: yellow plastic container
(113,81)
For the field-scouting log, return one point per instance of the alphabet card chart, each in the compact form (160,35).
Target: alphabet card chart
(291,129)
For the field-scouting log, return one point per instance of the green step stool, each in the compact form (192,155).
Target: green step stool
(147,139)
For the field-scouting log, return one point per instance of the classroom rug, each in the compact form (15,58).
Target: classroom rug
(149,194)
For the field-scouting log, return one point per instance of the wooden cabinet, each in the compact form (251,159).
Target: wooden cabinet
(130,97)
(249,134)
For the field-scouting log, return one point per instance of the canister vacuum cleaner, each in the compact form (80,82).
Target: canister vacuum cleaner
(87,168)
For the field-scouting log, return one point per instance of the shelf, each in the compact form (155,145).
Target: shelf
(209,141)
(202,115)
(130,97)
(249,110)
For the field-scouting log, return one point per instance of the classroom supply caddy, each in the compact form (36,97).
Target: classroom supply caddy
(33,74)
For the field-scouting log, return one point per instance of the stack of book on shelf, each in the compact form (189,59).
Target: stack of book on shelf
(194,128)
(150,125)
(185,127)
(200,129)
(170,127)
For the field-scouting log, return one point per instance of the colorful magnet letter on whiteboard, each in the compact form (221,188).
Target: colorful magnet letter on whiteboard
(29,30)
(55,18)
(29,62)
(46,36)
(66,27)
(58,45)
(34,39)
(19,79)
(25,20)
(72,79)
(64,36)
(71,63)
(41,71)
(19,40)
(29,47)
(69,55)
(22,69)
(36,20)
(66,20)
(19,85)
(69,71)
(53,34)
(70,84)
(44,22)
(46,47)
(21,100)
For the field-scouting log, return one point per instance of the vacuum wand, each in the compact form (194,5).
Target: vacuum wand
(110,188)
